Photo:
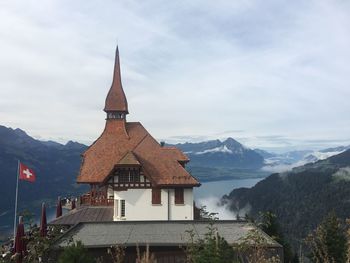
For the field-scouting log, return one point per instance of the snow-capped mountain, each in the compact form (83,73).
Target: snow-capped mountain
(228,153)
(232,154)
(222,149)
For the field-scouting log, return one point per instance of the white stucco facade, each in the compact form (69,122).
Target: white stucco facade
(138,205)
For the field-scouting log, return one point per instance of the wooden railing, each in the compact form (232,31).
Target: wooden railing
(98,200)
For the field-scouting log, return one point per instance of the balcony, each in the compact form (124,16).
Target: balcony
(96,199)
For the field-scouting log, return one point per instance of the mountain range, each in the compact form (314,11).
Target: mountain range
(218,160)
(228,153)
(57,165)
(215,159)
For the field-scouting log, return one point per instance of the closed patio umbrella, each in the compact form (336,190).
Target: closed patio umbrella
(19,241)
(59,208)
(73,204)
(43,221)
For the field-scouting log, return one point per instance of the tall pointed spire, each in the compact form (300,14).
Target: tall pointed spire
(116,102)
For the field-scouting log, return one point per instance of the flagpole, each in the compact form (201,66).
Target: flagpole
(15,220)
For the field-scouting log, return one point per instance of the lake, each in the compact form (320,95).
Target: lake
(210,193)
(220,188)
(207,194)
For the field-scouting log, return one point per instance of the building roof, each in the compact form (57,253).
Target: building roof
(116,99)
(156,233)
(175,153)
(160,166)
(129,159)
(85,214)
(129,143)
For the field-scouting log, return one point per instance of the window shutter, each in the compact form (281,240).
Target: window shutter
(179,196)
(156,196)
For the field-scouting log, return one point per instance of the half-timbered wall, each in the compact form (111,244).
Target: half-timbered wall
(128,178)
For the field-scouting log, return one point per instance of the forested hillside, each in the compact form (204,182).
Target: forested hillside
(300,198)
(56,167)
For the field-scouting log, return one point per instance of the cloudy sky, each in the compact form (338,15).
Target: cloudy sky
(273,74)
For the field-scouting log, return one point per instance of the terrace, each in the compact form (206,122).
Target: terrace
(96,198)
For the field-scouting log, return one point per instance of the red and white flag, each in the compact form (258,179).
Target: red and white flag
(26,173)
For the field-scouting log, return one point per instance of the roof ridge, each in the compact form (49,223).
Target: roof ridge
(133,156)
(137,145)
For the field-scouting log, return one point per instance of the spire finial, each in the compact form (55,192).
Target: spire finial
(116,101)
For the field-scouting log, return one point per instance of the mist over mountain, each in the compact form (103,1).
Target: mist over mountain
(300,198)
(229,158)
(287,161)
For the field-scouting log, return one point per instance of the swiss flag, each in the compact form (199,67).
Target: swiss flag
(26,173)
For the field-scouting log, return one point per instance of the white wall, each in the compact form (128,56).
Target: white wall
(138,205)
(182,212)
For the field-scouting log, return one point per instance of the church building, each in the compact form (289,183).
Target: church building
(140,196)
(128,169)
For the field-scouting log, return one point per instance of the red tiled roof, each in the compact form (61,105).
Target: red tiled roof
(117,140)
(175,153)
(116,100)
(129,159)
(124,143)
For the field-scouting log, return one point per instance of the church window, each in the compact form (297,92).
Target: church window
(156,196)
(179,196)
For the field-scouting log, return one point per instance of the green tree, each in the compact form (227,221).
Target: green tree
(328,243)
(212,248)
(75,253)
(270,225)
(253,249)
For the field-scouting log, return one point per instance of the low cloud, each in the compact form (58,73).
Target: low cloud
(214,205)
(279,168)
